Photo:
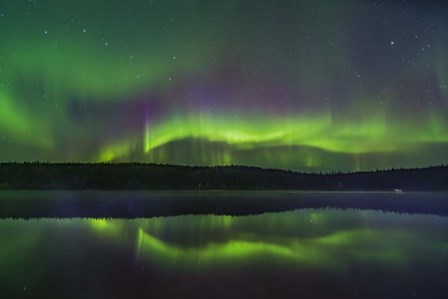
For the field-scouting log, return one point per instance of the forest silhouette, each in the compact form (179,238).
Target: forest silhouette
(139,176)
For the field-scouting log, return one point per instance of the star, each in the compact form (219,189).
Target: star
(392,43)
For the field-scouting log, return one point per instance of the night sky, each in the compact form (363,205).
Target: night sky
(303,85)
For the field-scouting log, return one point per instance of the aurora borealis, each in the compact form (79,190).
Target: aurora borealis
(303,85)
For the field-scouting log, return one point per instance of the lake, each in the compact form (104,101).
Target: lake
(348,245)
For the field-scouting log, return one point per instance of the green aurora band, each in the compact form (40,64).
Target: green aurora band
(303,86)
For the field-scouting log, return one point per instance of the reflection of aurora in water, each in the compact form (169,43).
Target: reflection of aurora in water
(316,253)
(314,238)
(342,250)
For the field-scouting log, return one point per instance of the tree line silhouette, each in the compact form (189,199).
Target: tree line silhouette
(141,176)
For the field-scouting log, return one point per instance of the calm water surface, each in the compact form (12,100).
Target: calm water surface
(309,253)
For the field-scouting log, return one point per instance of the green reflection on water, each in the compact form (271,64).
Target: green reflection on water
(312,238)
(343,248)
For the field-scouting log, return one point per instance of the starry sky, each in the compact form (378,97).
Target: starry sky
(304,85)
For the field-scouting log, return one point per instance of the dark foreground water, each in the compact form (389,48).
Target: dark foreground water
(305,253)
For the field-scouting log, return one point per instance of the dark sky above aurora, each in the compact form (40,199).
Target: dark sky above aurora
(304,85)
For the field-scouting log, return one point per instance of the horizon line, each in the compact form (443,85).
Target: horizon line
(315,172)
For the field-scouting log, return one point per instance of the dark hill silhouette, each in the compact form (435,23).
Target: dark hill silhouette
(138,176)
